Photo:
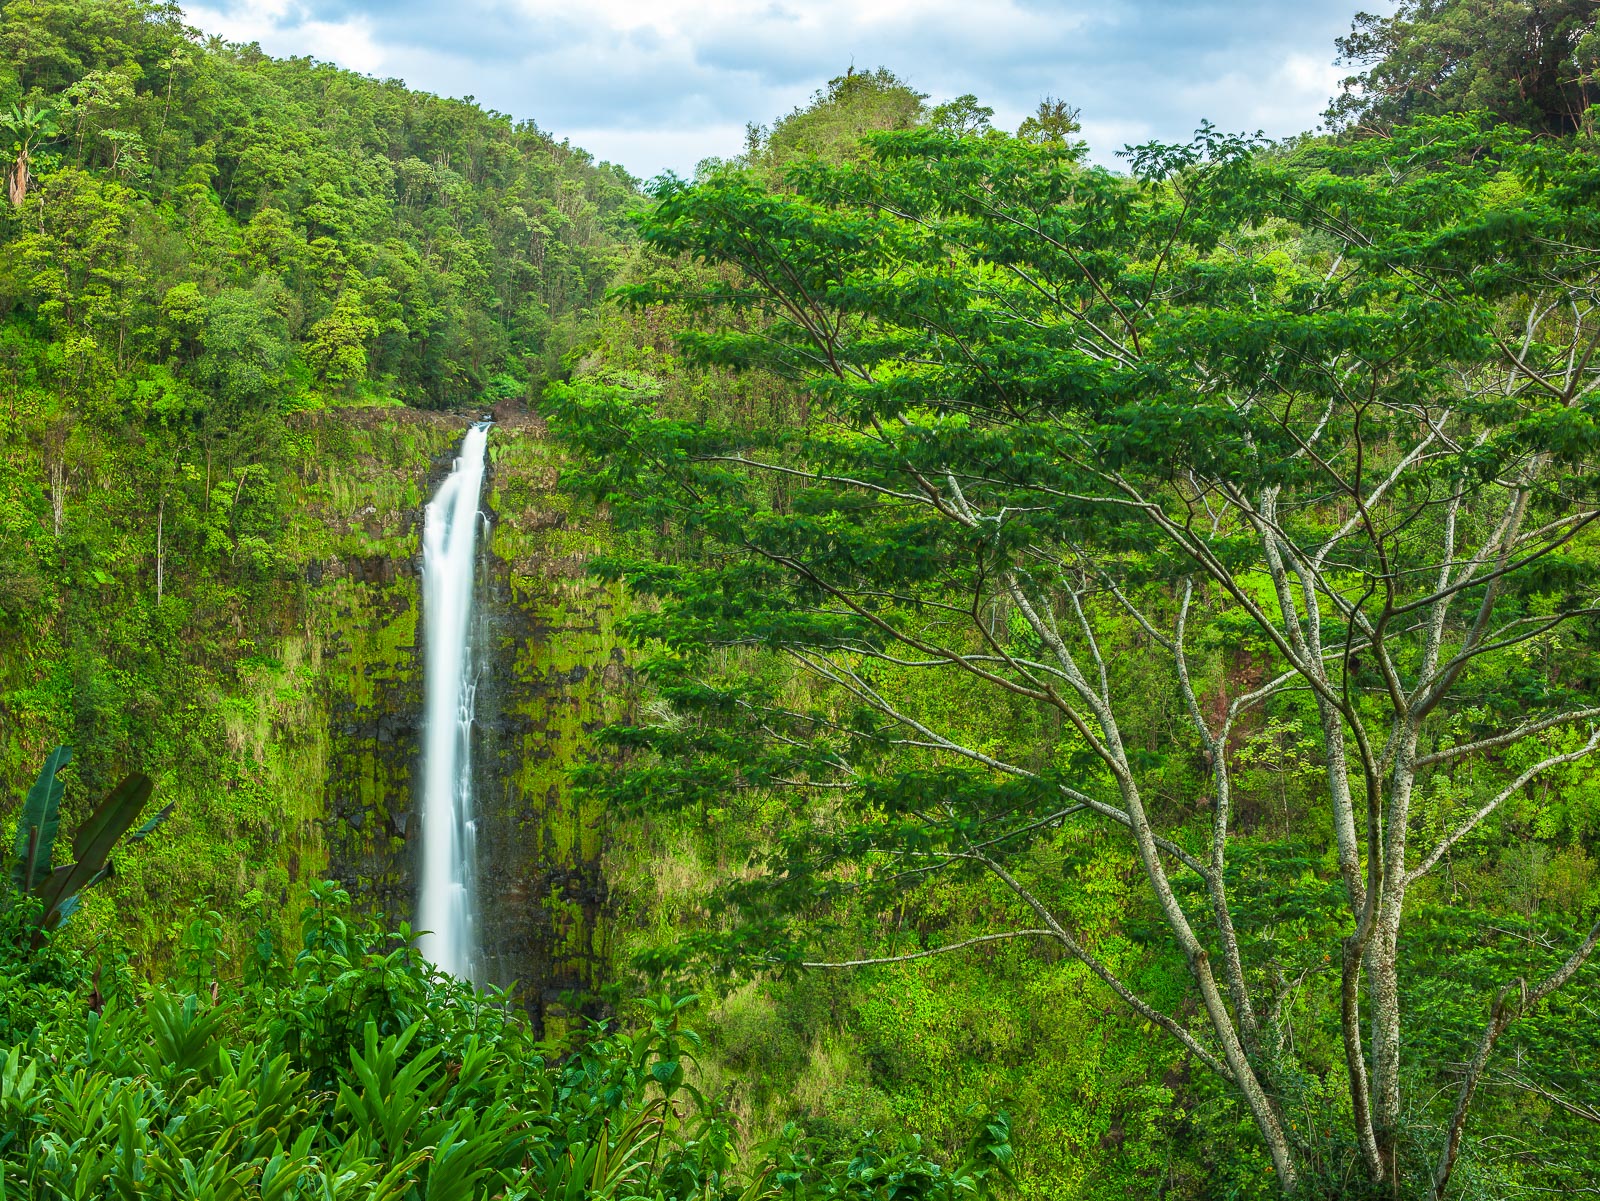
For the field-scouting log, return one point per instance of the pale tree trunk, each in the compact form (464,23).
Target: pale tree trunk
(1104,735)
(1303,641)
(1382,960)
(17,182)
(1088,704)
(1377,896)
(58,493)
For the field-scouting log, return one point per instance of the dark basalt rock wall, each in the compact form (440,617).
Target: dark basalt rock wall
(552,673)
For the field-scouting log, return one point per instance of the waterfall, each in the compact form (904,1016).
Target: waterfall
(447,904)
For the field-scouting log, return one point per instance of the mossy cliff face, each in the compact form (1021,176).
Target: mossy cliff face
(244,633)
(551,671)
(365,605)
(272,682)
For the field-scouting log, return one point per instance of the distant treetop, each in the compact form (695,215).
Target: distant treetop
(1053,124)
(832,124)
(1530,64)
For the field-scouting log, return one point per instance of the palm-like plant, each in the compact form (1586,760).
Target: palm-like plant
(203,1095)
(27,126)
(56,888)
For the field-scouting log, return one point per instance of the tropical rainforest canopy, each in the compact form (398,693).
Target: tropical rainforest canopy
(1095,673)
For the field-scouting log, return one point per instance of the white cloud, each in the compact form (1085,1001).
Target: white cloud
(665,83)
(679,149)
(273,23)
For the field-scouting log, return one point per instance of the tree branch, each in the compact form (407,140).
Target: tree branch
(1500,740)
(1501,1015)
(1500,798)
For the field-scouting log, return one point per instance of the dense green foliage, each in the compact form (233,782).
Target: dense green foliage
(208,259)
(1119,647)
(832,125)
(279,232)
(1227,525)
(355,1072)
(1529,63)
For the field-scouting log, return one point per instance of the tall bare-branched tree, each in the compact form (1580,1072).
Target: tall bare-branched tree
(1070,431)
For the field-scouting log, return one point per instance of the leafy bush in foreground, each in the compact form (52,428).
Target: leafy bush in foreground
(358,1072)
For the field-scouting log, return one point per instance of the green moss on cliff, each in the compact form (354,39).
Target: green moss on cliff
(556,673)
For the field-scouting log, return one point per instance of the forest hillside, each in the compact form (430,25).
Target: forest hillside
(998,676)
(238,298)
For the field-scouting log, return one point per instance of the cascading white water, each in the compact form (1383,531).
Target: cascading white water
(447,905)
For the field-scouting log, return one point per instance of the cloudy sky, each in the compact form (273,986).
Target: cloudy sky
(658,84)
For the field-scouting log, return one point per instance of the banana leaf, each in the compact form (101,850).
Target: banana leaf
(92,846)
(36,827)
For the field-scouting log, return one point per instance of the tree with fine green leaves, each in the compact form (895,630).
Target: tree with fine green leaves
(831,126)
(1532,64)
(1307,437)
(1054,121)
